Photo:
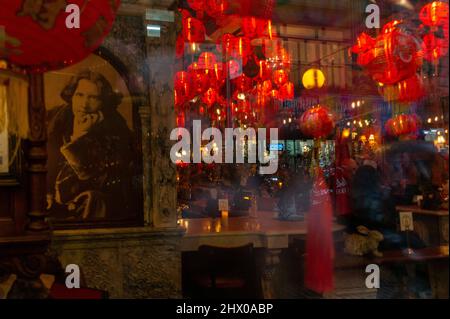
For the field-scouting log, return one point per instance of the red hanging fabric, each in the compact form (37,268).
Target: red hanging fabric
(319,240)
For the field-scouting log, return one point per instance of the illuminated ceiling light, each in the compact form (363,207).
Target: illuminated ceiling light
(436,119)
(348,123)
(353,105)
(429,120)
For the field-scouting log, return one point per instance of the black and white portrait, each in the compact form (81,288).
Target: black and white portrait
(92,162)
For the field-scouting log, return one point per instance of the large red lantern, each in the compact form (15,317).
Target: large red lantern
(242,83)
(402,125)
(391,57)
(317,122)
(38,39)
(265,72)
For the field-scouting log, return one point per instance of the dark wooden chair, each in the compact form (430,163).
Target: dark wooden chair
(226,273)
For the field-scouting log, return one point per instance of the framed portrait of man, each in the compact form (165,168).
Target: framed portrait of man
(94,174)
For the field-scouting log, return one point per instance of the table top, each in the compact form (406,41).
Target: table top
(263,231)
(417,210)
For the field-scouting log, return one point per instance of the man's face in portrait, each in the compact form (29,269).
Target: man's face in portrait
(86,98)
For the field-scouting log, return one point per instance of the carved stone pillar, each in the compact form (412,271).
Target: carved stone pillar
(36,155)
(161,58)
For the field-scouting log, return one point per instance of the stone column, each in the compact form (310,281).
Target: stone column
(161,59)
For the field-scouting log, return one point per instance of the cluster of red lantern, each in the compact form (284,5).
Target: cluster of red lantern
(256,77)
(392,60)
(434,17)
(317,122)
(404,125)
(391,57)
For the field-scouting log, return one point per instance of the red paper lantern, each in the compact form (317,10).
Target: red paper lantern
(434,14)
(193,30)
(38,40)
(200,81)
(210,97)
(391,57)
(287,91)
(280,77)
(433,47)
(242,83)
(402,125)
(317,122)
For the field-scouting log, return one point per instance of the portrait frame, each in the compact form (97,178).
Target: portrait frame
(134,97)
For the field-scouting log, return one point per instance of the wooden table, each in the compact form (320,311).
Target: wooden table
(264,231)
(431,225)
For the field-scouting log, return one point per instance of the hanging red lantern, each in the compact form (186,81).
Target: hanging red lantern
(193,30)
(317,122)
(434,14)
(200,81)
(210,97)
(287,91)
(391,57)
(38,40)
(274,94)
(242,83)
(402,125)
(280,77)
(433,47)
